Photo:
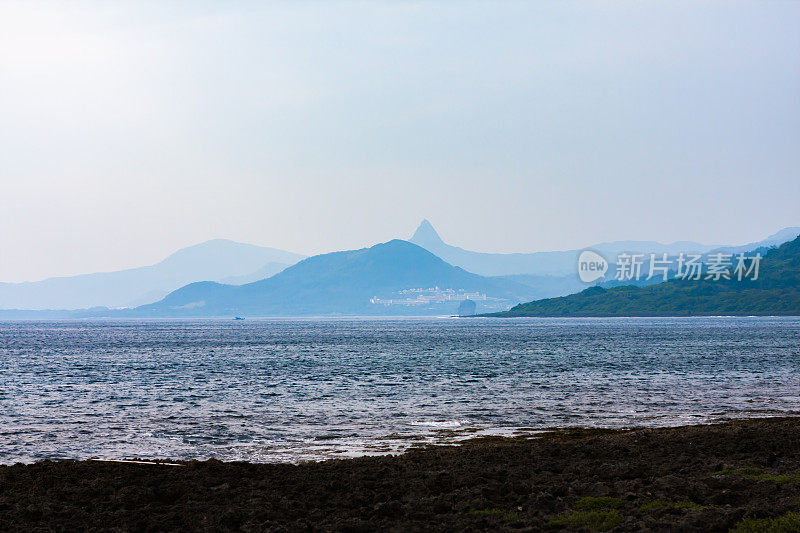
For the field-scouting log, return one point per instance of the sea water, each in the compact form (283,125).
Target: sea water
(300,389)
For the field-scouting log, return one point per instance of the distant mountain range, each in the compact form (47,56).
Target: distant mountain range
(562,263)
(385,279)
(775,292)
(220,259)
(553,274)
(398,278)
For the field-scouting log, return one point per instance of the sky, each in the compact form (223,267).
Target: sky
(131,129)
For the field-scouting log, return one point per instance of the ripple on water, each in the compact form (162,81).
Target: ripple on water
(292,390)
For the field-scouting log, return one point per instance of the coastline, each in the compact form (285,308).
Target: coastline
(692,478)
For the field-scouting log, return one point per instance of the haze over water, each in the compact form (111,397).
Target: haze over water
(288,390)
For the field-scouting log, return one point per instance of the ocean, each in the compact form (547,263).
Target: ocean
(287,390)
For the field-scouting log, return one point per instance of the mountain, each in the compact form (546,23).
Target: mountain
(562,263)
(776,239)
(548,286)
(266,271)
(775,292)
(212,260)
(393,278)
(556,263)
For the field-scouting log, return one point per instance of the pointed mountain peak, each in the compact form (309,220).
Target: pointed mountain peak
(426,235)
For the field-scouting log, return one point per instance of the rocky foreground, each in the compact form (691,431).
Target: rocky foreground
(741,476)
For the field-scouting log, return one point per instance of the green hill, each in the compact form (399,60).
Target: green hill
(340,283)
(775,292)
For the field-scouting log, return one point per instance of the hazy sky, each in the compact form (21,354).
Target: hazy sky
(128,130)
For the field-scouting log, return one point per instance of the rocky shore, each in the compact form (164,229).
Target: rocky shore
(740,475)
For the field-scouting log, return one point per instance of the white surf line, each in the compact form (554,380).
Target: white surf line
(134,462)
